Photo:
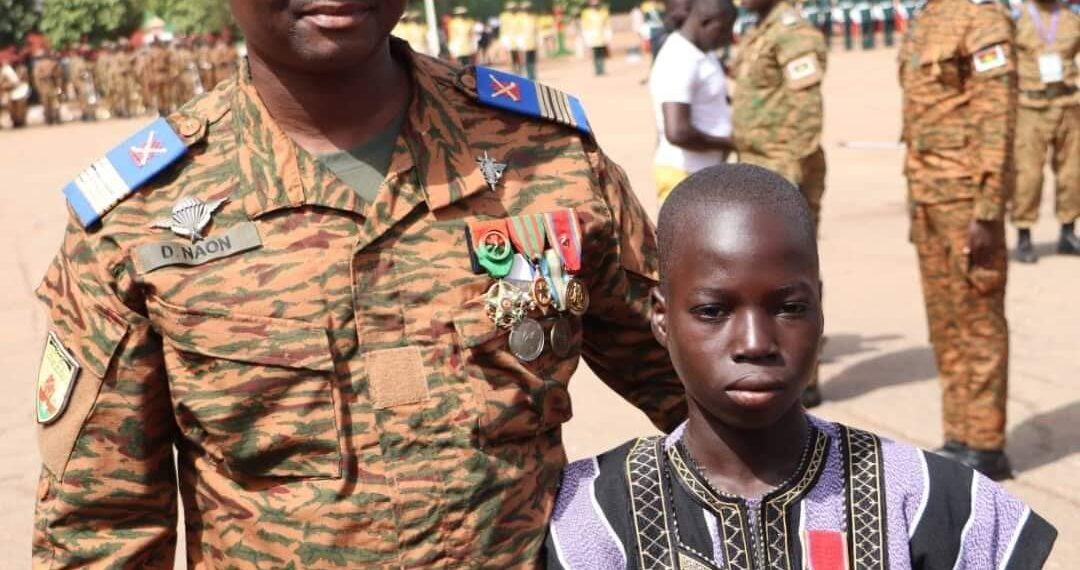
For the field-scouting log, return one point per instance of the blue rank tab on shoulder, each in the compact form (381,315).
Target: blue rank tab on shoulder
(123,170)
(508,91)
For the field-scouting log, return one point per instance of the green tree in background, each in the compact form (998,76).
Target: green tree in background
(192,16)
(18,18)
(66,22)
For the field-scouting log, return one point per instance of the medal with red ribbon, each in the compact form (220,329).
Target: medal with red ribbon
(825,550)
(564,233)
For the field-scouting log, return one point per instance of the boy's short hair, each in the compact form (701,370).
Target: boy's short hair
(727,185)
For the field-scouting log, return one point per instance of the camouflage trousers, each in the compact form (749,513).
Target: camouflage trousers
(807,173)
(965,311)
(1056,129)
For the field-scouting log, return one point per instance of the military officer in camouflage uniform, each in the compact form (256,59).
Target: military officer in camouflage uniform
(777,106)
(1047,41)
(957,70)
(347,354)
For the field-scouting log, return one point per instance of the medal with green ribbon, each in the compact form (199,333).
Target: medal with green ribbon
(527,233)
(492,246)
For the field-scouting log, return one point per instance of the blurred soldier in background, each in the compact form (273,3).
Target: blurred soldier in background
(224,58)
(508,35)
(14,89)
(84,87)
(1047,40)
(461,36)
(596,27)
(186,79)
(48,82)
(122,80)
(205,62)
(159,77)
(528,34)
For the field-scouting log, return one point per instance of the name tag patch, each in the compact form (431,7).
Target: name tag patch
(237,239)
(989,58)
(1051,68)
(56,378)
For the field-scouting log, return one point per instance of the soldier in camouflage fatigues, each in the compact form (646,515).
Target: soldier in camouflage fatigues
(777,110)
(337,394)
(123,88)
(81,72)
(158,74)
(957,70)
(223,56)
(49,84)
(1048,118)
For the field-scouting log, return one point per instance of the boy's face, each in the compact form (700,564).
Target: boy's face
(740,314)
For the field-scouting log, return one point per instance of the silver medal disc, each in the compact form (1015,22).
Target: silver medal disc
(562,337)
(527,340)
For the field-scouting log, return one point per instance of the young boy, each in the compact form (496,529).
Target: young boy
(751,481)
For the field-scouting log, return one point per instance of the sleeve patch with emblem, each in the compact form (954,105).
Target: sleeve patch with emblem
(990,58)
(56,378)
(801,68)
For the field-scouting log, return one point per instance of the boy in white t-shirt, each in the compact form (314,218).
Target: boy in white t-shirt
(689,93)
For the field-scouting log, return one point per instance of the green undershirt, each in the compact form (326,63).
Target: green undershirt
(363,167)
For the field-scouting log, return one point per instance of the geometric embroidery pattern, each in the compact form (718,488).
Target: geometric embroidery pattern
(865,500)
(650,505)
(729,513)
(774,508)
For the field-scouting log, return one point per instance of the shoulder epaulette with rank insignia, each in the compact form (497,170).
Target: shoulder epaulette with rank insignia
(508,91)
(123,170)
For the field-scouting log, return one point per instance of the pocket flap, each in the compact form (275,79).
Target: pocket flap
(939,52)
(287,343)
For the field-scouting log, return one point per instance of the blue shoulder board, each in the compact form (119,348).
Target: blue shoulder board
(519,95)
(123,170)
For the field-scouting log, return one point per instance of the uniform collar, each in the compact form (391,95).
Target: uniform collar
(433,144)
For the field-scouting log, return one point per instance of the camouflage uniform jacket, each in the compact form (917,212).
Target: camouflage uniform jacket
(338,397)
(958,74)
(777,107)
(1030,45)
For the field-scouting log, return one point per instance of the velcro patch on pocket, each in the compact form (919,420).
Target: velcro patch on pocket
(396,377)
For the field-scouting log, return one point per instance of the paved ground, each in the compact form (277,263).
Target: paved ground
(879,372)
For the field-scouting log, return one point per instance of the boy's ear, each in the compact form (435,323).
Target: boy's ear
(659,316)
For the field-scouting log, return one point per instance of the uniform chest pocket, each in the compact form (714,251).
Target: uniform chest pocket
(946,65)
(255,393)
(516,399)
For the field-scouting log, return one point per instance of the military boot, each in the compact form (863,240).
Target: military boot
(1025,252)
(992,463)
(1068,243)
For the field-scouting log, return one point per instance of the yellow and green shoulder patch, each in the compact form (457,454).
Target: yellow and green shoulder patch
(56,378)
